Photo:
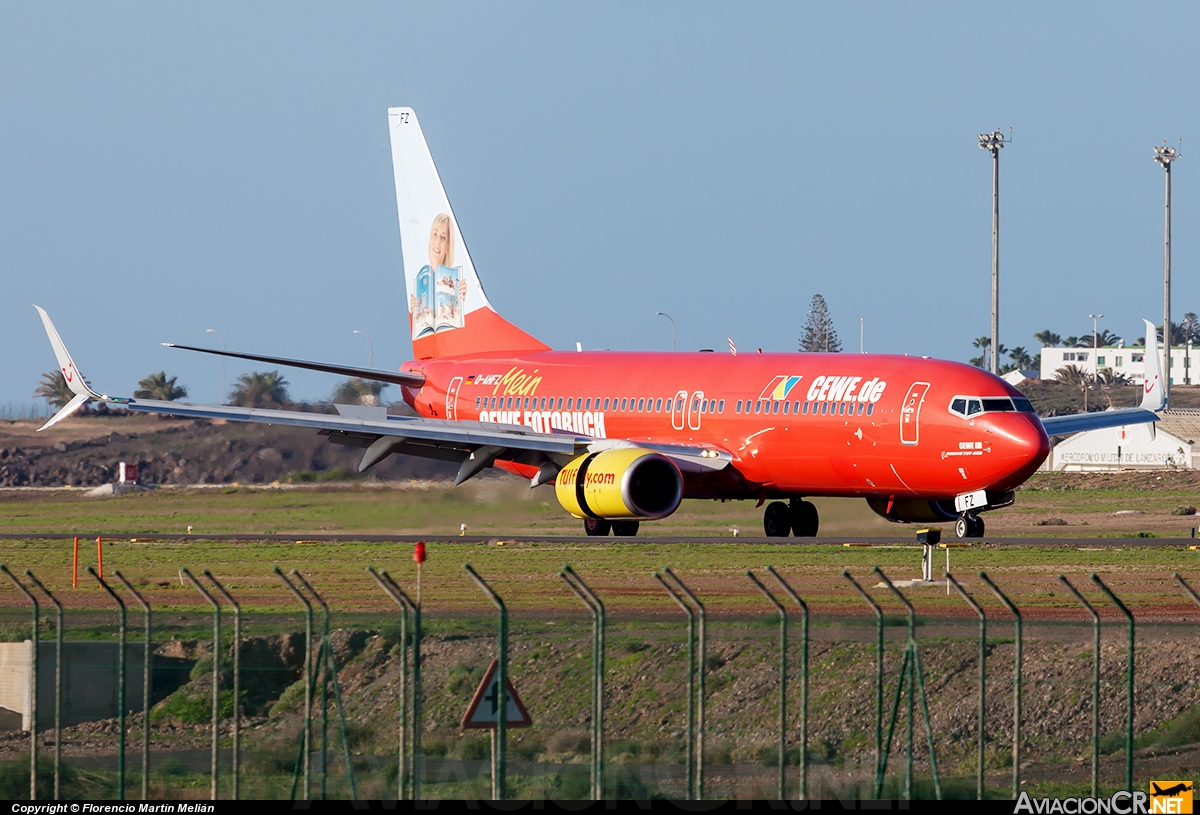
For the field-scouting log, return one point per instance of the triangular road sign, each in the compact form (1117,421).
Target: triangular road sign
(481,713)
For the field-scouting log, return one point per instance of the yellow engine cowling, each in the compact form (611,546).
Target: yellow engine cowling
(628,482)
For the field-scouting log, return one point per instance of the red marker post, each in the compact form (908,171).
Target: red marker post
(419,558)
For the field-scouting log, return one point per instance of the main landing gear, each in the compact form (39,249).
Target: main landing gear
(598,527)
(797,517)
(969,526)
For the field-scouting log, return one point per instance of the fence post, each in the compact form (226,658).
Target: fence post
(588,597)
(879,761)
(701,671)
(783,584)
(237,676)
(216,677)
(330,675)
(1003,598)
(58,646)
(980,788)
(146,674)
(306,739)
(401,599)
(32,682)
(689,783)
(416,760)
(1095,682)
(1129,684)
(914,670)
(1188,589)
(120,683)
(782,681)
(500,733)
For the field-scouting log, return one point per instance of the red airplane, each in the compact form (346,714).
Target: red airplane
(625,437)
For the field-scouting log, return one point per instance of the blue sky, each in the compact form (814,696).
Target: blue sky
(167,168)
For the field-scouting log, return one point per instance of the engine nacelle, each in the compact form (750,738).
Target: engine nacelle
(931,511)
(628,482)
(913,510)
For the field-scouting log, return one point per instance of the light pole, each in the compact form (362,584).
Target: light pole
(370,364)
(224,347)
(1095,356)
(992,142)
(668,316)
(1166,157)
(860,336)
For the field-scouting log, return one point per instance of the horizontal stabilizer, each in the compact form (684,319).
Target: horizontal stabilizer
(411,380)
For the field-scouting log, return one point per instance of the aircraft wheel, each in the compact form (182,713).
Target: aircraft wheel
(805,520)
(777,520)
(625,529)
(969,526)
(597,527)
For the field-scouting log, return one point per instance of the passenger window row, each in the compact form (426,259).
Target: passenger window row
(635,405)
(806,408)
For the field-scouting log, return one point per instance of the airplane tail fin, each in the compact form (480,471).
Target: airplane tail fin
(449,312)
(1153,395)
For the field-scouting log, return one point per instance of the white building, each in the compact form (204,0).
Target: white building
(1127,360)
(1172,443)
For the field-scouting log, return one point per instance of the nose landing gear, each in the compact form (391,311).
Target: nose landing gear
(798,518)
(969,526)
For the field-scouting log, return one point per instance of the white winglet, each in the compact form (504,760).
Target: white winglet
(1153,396)
(74,378)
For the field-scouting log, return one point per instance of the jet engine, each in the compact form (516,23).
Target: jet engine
(931,510)
(913,510)
(627,482)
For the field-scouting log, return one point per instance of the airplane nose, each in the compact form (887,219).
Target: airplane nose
(1024,444)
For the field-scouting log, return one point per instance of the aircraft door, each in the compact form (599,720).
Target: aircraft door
(452,398)
(694,410)
(910,413)
(678,410)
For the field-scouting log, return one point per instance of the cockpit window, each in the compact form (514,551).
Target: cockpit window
(969,406)
(998,405)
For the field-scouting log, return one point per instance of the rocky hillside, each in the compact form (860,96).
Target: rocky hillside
(86,452)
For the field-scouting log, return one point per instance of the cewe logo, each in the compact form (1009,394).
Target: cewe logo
(1171,797)
(779,387)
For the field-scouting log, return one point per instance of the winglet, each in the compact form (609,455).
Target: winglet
(74,378)
(1153,396)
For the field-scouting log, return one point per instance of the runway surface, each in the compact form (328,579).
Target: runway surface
(151,537)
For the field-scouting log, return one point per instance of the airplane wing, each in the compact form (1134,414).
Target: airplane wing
(1154,400)
(475,445)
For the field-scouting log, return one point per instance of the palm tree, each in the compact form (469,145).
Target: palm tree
(1020,358)
(158,387)
(355,391)
(983,344)
(54,389)
(259,389)
(1103,339)
(1077,377)
(1048,338)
